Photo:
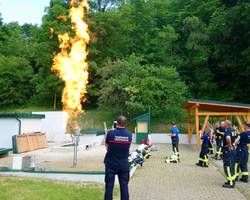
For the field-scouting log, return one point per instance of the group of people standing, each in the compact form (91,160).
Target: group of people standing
(231,147)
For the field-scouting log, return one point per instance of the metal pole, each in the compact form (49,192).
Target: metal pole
(75,152)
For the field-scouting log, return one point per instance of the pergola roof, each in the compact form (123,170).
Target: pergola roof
(216,106)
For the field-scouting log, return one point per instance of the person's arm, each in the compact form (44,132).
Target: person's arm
(229,143)
(221,133)
(106,140)
(173,133)
(237,140)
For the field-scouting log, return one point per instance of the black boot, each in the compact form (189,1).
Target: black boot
(228,185)
(199,164)
(244,178)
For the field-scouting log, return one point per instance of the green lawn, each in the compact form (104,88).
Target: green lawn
(31,189)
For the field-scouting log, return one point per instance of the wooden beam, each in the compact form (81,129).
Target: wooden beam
(240,123)
(205,124)
(222,114)
(189,125)
(245,117)
(192,129)
(248,117)
(197,126)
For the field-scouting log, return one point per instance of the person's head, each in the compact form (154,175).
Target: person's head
(235,127)
(222,124)
(114,124)
(173,124)
(247,125)
(121,121)
(228,124)
(217,124)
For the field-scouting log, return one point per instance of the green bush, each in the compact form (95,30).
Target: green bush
(132,88)
(15,81)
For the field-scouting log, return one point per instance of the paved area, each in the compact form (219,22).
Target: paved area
(58,158)
(159,181)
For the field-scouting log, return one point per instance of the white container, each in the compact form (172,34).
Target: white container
(17,162)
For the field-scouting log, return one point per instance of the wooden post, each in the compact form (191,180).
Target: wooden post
(248,117)
(197,126)
(240,123)
(55,101)
(192,129)
(205,124)
(189,125)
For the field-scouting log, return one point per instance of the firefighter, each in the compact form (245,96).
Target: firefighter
(203,158)
(175,140)
(229,155)
(219,131)
(211,140)
(118,142)
(242,154)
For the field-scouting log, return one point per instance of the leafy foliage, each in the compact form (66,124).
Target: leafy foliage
(130,87)
(15,80)
(138,48)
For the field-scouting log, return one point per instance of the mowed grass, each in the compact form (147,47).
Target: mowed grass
(12,188)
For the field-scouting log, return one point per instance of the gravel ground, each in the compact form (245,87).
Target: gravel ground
(59,158)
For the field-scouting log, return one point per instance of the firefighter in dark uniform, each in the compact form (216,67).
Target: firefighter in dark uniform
(219,131)
(211,141)
(203,158)
(175,140)
(118,142)
(242,154)
(229,155)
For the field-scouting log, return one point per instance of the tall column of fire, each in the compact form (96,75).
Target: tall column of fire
(70,64)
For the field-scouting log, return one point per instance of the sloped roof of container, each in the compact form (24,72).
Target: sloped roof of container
(22,115)
(144,117)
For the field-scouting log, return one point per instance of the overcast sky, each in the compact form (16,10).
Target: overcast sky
(23,11)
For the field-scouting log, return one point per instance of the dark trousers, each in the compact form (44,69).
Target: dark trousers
(175,145)
(219,144)
(211,147)
(241,161)
(203,160)
(229,159)
(123,177)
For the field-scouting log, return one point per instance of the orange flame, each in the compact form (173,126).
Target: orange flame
(70,63)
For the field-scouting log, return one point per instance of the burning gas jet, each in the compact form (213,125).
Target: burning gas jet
(70,63)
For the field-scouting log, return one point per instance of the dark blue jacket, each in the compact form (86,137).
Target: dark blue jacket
(118,141)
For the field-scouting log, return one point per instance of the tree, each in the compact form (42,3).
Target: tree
(128,86)
(229,31)
(103,5)
(47,85)
(15,81)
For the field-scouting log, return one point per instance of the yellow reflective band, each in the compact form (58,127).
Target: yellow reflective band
(204,160)
(229,178)
(244,173)
(236,169)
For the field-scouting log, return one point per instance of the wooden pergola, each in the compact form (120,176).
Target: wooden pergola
(203,110)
